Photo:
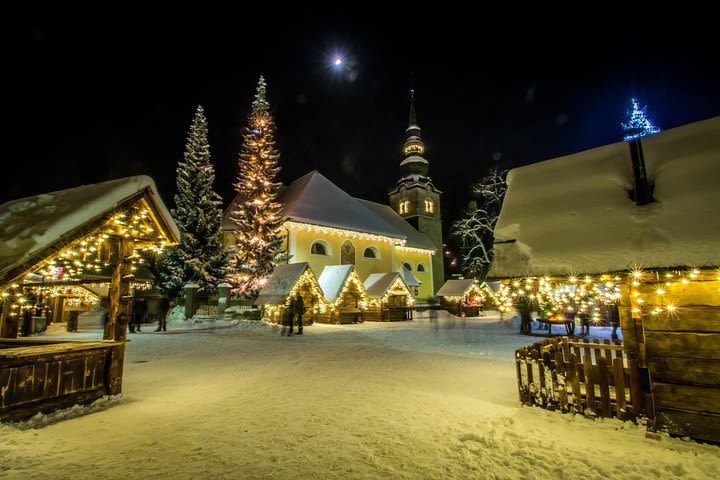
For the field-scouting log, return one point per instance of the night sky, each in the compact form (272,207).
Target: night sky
(115,96)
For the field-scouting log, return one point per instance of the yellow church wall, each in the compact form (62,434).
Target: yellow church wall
(300,242)
(425,290)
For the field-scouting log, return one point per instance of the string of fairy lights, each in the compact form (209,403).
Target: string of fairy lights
(588,296)
(88,255)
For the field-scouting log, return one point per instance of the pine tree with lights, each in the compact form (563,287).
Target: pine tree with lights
(257,214)
(638,124)
(200,257)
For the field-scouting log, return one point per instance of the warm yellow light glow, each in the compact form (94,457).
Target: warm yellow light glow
(291,225)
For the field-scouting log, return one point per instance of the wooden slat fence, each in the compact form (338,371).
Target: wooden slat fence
(40,376)
(577,376)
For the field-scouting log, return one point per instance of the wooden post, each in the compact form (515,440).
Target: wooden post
(8,325)
(619,387)
(602,380)
(589,384)
(574,379)
(121,251)
(636,396)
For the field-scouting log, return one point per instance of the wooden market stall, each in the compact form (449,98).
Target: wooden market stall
(638,222)
(284,284)
(390,298)
(344,294)
(60,237)
(464,297)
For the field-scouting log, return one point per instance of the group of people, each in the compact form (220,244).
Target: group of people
(139,311)
(296,308)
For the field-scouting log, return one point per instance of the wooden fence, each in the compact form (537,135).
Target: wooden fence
(593,379)
(40,376)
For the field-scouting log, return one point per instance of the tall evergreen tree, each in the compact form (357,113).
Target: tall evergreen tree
(257,213)
(475,229)
(200,257)
(638,124)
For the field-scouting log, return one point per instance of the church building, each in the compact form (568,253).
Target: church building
(325,226)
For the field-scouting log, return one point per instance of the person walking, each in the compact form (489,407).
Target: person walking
(289,318)
(299,310)
(162,314)
(138,314)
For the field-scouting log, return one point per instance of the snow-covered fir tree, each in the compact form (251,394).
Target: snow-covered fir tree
(200,257)
(256,215)
(475,229)
(638,124)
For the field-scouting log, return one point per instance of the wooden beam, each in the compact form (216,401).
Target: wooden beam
(121,251)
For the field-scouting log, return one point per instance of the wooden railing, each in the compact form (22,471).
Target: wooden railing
(39,376)
(593,379)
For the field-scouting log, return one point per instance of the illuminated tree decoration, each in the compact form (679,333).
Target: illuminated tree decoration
(200,257)
(638,124)
(475,229)
(257,215)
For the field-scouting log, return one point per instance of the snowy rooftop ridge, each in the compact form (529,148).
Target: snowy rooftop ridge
(314,199)
(377,284)
(280,283)
(29,225)
(414,238)
(573,215)
(455,288)
(333,278)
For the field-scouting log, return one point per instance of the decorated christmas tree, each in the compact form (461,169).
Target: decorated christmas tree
(200,257)
(256,214)
(638,124)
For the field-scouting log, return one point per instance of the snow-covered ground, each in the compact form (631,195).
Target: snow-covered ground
(420,399)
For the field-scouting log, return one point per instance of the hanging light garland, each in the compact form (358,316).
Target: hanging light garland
(587,295)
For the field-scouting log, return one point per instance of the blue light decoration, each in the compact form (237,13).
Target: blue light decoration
(638,124)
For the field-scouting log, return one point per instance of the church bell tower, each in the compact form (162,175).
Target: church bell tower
(414,196)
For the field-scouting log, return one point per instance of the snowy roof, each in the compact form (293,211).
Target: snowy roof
(455,288)
(333,278)
(377,284)
(408,277)
(32,227)
(316,200)
(414,238)
(573,214)
(280,283)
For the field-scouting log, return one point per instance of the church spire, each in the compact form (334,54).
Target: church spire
(413,120)
(414,148)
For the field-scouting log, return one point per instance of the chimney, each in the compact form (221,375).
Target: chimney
(642,193)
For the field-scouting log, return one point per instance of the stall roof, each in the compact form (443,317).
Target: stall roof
(377,284)
(333,278)
(280,283)
(37,226)
(455,288)
(573,214)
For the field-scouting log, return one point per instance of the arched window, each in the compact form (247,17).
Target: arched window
(320,248)
(421,267)
(408,266)
(371,252)
(404,206)
(429,206)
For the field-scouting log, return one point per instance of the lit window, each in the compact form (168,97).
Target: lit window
(371,252)
(404,206)
(408,266)
(421,268)
(319,248)
(429,206)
